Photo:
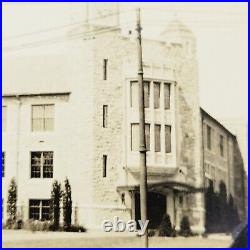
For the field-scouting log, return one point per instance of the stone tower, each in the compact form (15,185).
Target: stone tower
(182,47)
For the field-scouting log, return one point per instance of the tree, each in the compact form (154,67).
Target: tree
(185,229)
(233,216)
(210,204)
(223,208)
(67,205)
(55,201)
(165,228)
(11,202)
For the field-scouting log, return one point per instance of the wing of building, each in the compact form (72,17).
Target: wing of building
(70,109)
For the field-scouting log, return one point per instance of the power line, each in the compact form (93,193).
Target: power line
(88,36)
(65,26)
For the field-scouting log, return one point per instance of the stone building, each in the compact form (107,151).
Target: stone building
(70,109)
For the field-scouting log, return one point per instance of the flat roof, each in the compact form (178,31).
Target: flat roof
(16,95)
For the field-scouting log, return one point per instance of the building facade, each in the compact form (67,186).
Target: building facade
(71,110)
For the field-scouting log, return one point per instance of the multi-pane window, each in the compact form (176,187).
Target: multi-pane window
(167,139)
(167,96)
(43,117)
(4,118)
(157,138)
(41,164)
(209,137)
(3,164)
(135,136)
(221,145)
(105,116)
(39,209)
(104,165)
(157,93)
(134,94)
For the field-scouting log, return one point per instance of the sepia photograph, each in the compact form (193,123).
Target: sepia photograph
(124,124)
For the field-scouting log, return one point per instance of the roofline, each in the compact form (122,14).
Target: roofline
(216,121)
(12,95)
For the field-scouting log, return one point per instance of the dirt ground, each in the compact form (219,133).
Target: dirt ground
(26,239)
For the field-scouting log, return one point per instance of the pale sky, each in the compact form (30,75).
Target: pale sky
(221,30)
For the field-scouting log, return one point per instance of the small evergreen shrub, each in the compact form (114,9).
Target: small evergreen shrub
(55,201)
(37,226)
(76,229)
(165,228)
(67,205)
(18,224)
(11,204)
(185,229)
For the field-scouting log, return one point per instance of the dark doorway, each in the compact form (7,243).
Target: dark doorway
(156,206)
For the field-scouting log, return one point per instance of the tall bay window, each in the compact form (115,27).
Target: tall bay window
(167,139)
(134,94)
(157,138)
(167,95)
(135,141)
(157,88)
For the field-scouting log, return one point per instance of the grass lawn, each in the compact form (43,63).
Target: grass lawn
(78,240)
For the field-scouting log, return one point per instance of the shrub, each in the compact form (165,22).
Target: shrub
(18,224)
(11,204)
(151,232)
(165,228)
(67,205)
(185,229)
(76,229)
(55,200)
(36,225)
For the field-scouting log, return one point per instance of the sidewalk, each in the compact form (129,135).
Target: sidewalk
(16,235)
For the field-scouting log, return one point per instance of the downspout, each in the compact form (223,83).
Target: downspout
(203,168)
(18,144)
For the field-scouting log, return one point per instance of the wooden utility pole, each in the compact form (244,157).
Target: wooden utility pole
(142,146)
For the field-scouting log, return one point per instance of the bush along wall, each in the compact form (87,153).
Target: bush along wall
(12,204)
(59,199)
(221,213)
